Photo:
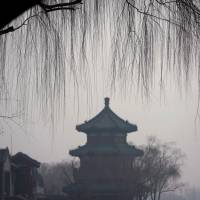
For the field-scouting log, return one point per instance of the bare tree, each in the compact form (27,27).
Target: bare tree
(56,176)
(158,171)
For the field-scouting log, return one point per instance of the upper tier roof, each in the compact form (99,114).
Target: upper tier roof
(106,121)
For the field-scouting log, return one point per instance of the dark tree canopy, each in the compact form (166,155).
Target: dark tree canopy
(145,39)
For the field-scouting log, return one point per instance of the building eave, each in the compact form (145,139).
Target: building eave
(106,121)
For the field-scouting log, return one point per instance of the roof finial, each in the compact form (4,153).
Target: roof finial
(106,100)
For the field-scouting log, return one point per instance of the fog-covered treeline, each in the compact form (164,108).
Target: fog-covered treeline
(188,193)
(55,176)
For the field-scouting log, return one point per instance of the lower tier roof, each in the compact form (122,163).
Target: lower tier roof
(106,149)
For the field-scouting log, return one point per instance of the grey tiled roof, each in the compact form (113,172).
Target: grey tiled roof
(24,160)
(106,121)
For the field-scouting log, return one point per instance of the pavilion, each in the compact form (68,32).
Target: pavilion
(105,160)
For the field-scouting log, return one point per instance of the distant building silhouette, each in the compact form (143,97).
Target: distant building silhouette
(105,160)
(25,175)
(19,177)
(6,184)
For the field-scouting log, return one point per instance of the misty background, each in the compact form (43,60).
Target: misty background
(170,112)
(170,116)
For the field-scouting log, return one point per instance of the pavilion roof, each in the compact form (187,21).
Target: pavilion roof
(106,121)
(22,159)
(106,149)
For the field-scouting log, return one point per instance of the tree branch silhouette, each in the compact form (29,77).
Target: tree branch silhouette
(46,9)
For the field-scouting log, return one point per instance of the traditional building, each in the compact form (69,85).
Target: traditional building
(25,175)
(19,176)
(105,160)
(6,185)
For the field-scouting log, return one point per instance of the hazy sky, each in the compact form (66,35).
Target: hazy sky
(170,118)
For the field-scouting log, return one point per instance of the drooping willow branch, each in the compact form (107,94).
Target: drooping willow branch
(137,41)
(47,8)
(60,6)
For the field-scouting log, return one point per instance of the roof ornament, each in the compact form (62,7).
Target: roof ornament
(106,100)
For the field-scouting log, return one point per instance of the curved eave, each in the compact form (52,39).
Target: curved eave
(95,129)
(106,150)
(106,121)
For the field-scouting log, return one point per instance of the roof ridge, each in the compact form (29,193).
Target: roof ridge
(106,120)
(111,112)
